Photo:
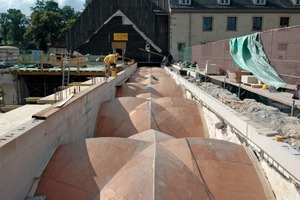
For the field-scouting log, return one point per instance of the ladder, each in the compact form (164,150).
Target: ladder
(65,76)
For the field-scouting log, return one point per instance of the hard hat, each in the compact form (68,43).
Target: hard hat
(264,86)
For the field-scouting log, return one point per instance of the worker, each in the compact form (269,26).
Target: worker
(168,59)
(110,61)
(297,93)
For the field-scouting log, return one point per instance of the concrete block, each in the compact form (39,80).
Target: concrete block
(9,152)
(22,143)
(27,156)
(5,176)
(242,117)
(34,135)
(267,132)
(3,193)
(249,79)
(236,76)
(17,167)
(211,69)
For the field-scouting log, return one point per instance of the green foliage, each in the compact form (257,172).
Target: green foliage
(18,23)
(12,26)
(46,24)
(44,28)
(87,2)
(4,27)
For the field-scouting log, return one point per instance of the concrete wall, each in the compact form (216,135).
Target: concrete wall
(187,27)
(10,88)
(26,148)
(283,162)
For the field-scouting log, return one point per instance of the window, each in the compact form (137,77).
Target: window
(231,24)
(185,2)
(207,23)
(260,2)
(257,23)
(297,2)
(181,46)
(224,2)
(284,22)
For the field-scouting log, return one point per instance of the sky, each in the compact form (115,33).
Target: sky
(24,5)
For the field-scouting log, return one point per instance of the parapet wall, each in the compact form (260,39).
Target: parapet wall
(26,148)
(281,156)
(280,45)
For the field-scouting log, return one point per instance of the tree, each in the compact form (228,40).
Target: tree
(17,25)
(69,18)
(4,27)
(69,13)
(44,28)
(39,6)
(46,23)
(12,26)
(87,2)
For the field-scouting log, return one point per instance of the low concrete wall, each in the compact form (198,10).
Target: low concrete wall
(26,148)
(9,86)
(280,156)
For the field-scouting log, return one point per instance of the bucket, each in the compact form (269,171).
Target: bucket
(278,138)
(113,73)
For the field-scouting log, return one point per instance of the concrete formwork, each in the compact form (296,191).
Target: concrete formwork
(26,147)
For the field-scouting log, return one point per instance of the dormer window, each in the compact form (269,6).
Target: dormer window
(224,2)
(185,2)
(296,2)
(260,2)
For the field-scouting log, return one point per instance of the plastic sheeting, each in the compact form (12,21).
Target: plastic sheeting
(248,54)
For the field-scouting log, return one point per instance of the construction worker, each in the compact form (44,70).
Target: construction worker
(110,60)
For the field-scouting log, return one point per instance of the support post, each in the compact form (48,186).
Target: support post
(293,108)
(239,91)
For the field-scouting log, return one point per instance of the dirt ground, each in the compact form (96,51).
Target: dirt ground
(288,127)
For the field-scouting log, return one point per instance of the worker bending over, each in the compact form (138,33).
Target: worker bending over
(110,60)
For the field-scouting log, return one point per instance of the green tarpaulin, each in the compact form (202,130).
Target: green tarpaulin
(248,54)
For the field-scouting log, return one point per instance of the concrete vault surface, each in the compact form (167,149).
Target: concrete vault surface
(151,143)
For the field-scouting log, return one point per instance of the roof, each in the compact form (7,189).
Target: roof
(144,159)
(151,165)
(236,6)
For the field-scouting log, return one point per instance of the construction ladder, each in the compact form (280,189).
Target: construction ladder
(65,76)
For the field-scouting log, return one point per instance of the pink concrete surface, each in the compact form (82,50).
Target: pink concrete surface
(150,144)
(176,116)
(151,165)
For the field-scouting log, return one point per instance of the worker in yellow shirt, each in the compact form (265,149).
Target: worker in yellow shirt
(110,60)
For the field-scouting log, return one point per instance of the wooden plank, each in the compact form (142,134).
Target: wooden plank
(32,99)
(281,97)
(254,85)
(45,113)
(63,102)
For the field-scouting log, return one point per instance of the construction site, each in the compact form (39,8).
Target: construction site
(219,121)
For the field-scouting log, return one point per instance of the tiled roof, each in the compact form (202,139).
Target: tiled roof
(236,4)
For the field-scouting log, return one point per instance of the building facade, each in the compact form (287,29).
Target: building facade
(194,22)
(172,25)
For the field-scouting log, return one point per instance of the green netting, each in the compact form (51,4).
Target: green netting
(248,54)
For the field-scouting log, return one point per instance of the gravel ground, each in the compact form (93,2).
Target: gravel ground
(288,127)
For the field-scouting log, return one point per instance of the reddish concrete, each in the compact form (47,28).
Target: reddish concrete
(151,165)
(151,91)
(177,117)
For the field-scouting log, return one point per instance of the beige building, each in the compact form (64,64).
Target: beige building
(194,22)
